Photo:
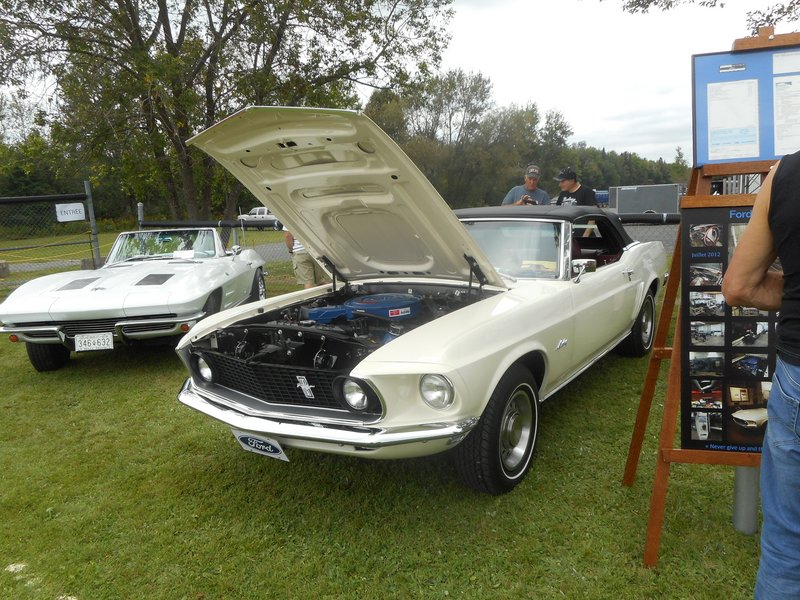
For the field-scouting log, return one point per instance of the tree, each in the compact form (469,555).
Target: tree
(679,169)
(388,109)
(138,79)
(780,11)
(448,107)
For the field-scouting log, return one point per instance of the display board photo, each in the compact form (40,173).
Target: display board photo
(727,355)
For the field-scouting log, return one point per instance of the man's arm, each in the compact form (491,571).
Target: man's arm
(288,239)
(509,199)
(748,280)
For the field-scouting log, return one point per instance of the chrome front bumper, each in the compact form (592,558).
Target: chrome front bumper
(124,329)
(330,436)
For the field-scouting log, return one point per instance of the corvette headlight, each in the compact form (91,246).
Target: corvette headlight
(203,368)
(354,395)
(437,391)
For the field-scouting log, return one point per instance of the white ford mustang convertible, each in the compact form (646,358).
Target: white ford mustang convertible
(440,330)
(154,286)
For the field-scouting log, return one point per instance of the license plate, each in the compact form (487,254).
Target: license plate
(260,445)
(85,342)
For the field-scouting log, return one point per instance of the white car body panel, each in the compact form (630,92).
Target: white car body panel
(751,418)
(359,201)
(344,188)
(119,292)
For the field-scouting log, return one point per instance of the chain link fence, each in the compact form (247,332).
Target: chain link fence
(40,235)
(269,243)
(653,227)
(33,242)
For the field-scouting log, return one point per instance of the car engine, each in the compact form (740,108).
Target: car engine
(338,330)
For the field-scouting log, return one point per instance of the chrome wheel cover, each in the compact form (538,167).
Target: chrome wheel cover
(517,428)
(262,287)
(648,322)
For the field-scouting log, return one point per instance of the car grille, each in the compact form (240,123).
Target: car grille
(72,328)
(45,335)
(275,384)
(147,327)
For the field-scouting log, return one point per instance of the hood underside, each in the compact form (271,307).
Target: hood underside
(347,191)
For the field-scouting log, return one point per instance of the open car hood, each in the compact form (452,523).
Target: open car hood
(347,191)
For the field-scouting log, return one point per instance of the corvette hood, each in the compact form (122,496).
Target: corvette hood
(130,289)
(347,191)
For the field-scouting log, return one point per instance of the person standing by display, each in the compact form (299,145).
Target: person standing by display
(528,192)
(573,192)
(307,271)
(774,231)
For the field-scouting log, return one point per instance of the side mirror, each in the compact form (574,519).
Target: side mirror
(581,266)
(236,250)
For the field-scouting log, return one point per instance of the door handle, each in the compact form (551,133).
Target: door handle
(629,273)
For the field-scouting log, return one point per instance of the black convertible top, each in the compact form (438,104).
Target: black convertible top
(548,211)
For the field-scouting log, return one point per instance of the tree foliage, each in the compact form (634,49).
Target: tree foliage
(474,152)
(780,11)
(136,79)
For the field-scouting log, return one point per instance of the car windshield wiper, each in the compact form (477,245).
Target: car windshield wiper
(143,257)
(184,260)
(505,276)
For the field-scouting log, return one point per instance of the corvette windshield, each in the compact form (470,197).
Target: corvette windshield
(520,249)
(152,245)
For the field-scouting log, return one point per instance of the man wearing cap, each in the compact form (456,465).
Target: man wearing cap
(528,192)
(573,192)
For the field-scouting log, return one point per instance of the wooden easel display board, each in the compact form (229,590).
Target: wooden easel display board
(699,196)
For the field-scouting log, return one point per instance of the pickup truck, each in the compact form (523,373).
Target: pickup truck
(261,217)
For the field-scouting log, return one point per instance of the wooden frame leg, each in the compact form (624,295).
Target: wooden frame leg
(655,522)
(659,353)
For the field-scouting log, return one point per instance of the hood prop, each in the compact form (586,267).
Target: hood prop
(334,273)
(475,269)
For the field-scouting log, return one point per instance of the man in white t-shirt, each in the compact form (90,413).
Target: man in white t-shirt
(307,271)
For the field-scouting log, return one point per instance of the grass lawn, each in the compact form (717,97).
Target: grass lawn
(109,488)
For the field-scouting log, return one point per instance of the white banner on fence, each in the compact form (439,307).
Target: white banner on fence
(70,212)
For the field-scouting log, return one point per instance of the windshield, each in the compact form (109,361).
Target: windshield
(177,243)
(520,249)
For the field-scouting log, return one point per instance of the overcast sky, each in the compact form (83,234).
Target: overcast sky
(622,81)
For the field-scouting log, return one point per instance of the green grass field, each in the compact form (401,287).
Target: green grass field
(110,488)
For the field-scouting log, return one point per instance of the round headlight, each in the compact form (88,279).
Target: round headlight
(354,395)
(437,391)
(204,369)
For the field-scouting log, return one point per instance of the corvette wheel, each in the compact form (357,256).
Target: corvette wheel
(259,290)
(640,340)
(47,357)
(497,454)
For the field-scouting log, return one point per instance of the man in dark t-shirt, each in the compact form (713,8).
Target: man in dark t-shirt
(751,280)
(573,192)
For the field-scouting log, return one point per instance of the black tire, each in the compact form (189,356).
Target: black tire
(640,340)
(497,454)
(258,291)
(47,357)
(213,303)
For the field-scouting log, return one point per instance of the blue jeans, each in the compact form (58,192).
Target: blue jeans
(779,568)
